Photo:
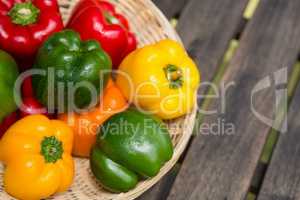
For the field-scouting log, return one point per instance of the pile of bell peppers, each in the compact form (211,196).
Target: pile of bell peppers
(85,90)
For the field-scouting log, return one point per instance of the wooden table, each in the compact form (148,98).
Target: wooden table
(256,161)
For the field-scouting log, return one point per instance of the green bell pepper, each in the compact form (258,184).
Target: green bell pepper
(129,145)
(8,75)
(74,62)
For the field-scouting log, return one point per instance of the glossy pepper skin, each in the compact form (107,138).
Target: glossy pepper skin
(27,90)
(8,75)
(85,124)
(167,88)
(7,122)
(30,105)
(74,62)
(36,152)
(97,19)
(25,25)
(129,145)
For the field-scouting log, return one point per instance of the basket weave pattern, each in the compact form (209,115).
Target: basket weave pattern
(150,25)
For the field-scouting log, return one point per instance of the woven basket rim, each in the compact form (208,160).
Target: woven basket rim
(188,121)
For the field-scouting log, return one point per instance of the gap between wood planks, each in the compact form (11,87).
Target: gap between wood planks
(234,43)
(217,77)
(273,136)
(266,129)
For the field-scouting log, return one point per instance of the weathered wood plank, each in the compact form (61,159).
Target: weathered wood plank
(220,165)
(206,28)
(161,189)
(171,8)
(199,26)
(282,180)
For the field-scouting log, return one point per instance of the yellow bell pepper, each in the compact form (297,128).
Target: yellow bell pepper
(160,78)
(36,152)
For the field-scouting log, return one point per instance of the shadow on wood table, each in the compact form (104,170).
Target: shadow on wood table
(219,166)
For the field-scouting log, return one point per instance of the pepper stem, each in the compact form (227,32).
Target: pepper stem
(111,19)
(24,13)
(174,76)
(51,149)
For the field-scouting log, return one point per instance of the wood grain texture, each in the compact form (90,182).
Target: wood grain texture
(201,22)
(282,180)
(162,188)
(221,165)
(206,28)
(171,8)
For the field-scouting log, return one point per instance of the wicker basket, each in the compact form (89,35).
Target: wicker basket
(150,25)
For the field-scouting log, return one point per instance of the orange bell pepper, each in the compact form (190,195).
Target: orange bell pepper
(85,125)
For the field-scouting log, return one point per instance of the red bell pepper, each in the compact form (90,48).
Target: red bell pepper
(27,90)
(30,105)
(25,25)
(98,19)
(7,122)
